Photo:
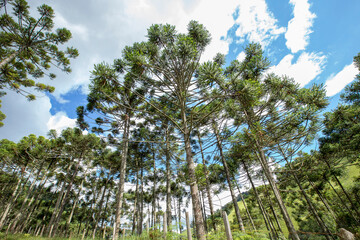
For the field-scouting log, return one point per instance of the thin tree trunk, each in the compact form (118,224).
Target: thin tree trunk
(154,194)
(98,214)
(208,191)
(199,223)
(74,206)
(23,206)
(344,191)
(11,202)
(245,205)
(120,193)
(141,205)
(227,173)
(57,204)
(179,212)
(289,224)
(168,181)
(204,209)
(343,203)
(262,210)
(323,200)
(66,197)
(314,212)
(135,201)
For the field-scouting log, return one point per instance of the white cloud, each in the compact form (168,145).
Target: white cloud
(60,121)
(24,117)
(299,27)
(307,67)
(335,83)
(77,30)
(256,22)
(241,56)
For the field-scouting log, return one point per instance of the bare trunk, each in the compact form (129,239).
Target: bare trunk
(245,205)
(208,191)
(199,223)
(227,173)
(262,210)
(74,206)
(98,214)
(135,212)
(11,202)
(168,181)
(65,200)
(154,194)
(23,207)
(323,200)
(120,194)
(289,224)
(141,203)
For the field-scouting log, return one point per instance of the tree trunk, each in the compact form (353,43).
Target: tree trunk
(227,173)
(314,212)
(262,210)
(141,203)
(200,229)
(168,181)
(343,203)
(344,191)
(9,58)
(135,201)
(11,202)
(120,193)
(289,224)
(154,194)
(57,204)
(23,206)
(245,205)
(179,212)
(323,200)
(208,191)
(74,206)
(66,197)
(204,209)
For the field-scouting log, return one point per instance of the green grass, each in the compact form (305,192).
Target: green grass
(30,237)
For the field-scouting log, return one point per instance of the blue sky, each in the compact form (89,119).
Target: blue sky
(311,41)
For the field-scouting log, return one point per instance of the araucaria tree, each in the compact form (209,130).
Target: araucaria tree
(30,46)
(274,112)
(168,61)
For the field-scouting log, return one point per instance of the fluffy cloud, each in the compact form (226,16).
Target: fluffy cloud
(60,121)
(299,28)
(113,25)
(24,117)
(307,67)
(335,83)
(256,23)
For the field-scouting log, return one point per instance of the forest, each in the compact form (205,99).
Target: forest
(164,136)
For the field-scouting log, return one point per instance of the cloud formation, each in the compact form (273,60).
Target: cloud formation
(335,83)
(299,27)
(307,67)
(60,121)
(256,23)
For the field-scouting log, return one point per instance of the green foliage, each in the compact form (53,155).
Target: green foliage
(29,46)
